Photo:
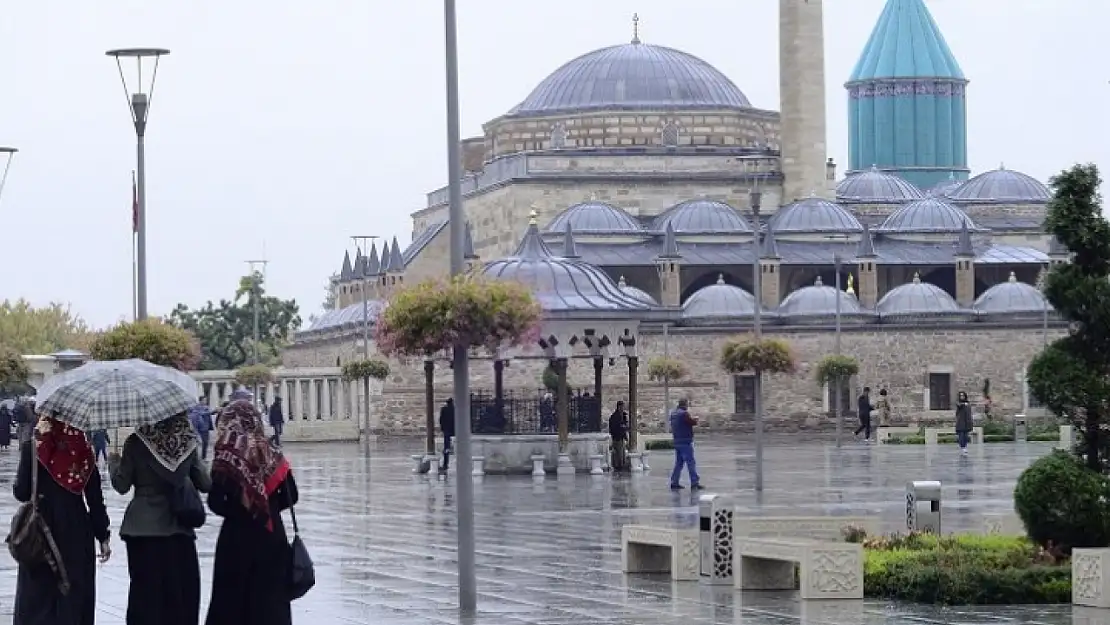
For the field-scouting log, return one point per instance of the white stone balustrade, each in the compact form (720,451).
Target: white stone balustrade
(317,403)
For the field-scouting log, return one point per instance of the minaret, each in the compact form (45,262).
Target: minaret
(802,99)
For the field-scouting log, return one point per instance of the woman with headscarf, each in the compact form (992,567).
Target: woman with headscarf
(251,485)
(71,503)
(161,549)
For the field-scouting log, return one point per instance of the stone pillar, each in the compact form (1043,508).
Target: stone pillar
(633,390)
(670,281)
(341,401)
(562,409)
(325,410)
(430,405)
(802,98)
(965,281)
(868,282)
(296,411)
(770,284)
(499,389)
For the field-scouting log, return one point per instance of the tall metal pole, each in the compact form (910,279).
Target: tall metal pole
(666,378)
(837,399)
(255,294)
(464,495)
(757,329)
(1044,301)
(140,253)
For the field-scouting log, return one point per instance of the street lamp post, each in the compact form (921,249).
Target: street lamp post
(138,102)
(468,588)
(837,412)
(364,275)
(7,153)
(757,287)
(256,292)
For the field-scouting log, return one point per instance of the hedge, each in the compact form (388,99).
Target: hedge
(943,439)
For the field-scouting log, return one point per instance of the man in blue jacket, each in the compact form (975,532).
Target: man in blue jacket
(682,428)
(201,418)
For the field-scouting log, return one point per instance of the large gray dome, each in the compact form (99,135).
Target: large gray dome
(719,303)
(561,284)
(927,216)
(876,187)
(1012,298)
(1001,186)
(918,301)
(702,216)
(636,293)
(634,76)
(814,216)
(817,304)
(593,217)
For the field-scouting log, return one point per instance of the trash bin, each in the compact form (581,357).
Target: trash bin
(715,538)
(918,517)
(1021,430)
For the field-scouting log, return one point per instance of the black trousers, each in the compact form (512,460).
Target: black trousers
(864,426)
(446,452)
(165,580)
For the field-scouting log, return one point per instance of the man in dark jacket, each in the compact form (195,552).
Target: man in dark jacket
(277,420)
(864,408)
(447,427)
(682,428)
(200,416)
(618,433)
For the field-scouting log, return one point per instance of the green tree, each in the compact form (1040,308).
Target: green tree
(226,330)
(1072,375)
(13,372)
(151,340)
(43,330)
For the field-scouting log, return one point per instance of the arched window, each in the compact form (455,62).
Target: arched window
(558,136)
(670,135)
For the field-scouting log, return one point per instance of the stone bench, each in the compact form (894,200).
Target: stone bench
(1090,583)
(884,434)
(822,528)
(826,570)
(647,549)
(931,434)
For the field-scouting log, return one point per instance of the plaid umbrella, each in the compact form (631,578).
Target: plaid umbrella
(107,398)
(131,366)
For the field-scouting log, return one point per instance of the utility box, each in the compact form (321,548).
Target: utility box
(1021,429)
(923,506)
(715,538)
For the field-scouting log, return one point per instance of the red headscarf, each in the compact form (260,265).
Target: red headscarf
(66,454)
(245,456)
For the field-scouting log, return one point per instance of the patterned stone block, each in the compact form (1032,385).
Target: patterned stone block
(826,528)
(1002,523)
(826,570)
(1090,584)
(647,549)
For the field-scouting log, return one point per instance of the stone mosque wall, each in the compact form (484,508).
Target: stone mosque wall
(900,359)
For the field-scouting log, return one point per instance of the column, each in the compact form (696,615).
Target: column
(633,418)
(430,405)
(297,408)
(327,400)
(340,399)
(561,404)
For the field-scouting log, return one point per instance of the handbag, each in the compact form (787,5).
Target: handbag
(302,572)
(30,541)
(185,504)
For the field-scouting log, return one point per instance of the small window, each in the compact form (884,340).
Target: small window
(940,391)
(558,137)
(670,135)
(846,399)
(744,392)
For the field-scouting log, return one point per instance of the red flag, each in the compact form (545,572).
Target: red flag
(134,205)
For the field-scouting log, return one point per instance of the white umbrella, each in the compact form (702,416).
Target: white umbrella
(130,367)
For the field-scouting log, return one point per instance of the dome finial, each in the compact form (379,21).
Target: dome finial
(1002,167)
(621,283)
(818,282)
(1013,277)
(635,28)
(916,278)
(533,217)
(720,278)
(851,289)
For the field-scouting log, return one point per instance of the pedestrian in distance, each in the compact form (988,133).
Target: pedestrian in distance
(864,407)
(447,428)
(682,429)
(964,421)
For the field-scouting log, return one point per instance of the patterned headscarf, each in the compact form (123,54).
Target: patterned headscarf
(171,441)
(66,454)
(246,457)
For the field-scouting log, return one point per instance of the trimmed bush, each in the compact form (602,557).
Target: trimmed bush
(836,367)
(13,369)
(151,340)
(751,354)
(254,375)
(365,369)
(659,445)
(660,368)
(550,379)
(1063,503)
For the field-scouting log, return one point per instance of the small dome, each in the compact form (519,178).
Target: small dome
(813,216)
(702,216)
(593,217)
(876,187)
(1002,186)
(817,303)
(927,216)
(718,303)
(1012,298)
(346,317)
(636,293)
(631,77)
(918,300)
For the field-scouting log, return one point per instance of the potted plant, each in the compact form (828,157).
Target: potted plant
(757,355)
(254,375)
(666,369)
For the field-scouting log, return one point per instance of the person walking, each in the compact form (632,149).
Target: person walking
(964,421)
(864,408)
(100,444)
(6,420)
(25,418)
(618,433)
(200,417)
(251,485)
(162,562)
(447,428)
(277,420)
(682,429)
(59,465)
(884,408)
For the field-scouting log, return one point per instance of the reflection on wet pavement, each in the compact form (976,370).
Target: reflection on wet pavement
(548,552)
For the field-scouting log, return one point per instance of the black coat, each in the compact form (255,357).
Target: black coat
(447,420)
(618,425)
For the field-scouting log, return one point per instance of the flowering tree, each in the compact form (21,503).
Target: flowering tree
(151,340)
(365,369)
(757,355)
(254,375)
(465,311)
(666,369)
(835,368)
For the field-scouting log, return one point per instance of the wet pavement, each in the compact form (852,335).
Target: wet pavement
(548,552)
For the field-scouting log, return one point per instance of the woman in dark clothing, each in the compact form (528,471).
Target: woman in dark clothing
(161,551)
(618,433)
(72,505)
(5,427)
(964,421)
(251,485)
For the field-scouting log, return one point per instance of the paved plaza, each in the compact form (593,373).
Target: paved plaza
(548,552)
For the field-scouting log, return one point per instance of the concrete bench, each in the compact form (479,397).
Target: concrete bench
(826,570)
(884,434)
(931,434)
(647,549)
(822,528)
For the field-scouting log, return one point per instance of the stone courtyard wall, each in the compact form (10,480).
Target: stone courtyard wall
(897,358)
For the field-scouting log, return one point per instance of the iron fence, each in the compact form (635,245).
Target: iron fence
(532,413)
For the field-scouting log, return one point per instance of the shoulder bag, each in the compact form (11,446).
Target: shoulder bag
(302,573)
(30,542)
(185,502)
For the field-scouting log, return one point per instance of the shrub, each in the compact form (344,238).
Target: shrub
(254,375)
(659,445)
(836,367)
(365,369)
(151,340)
(661,368)
(751,354)
(467,311)
(1064,504)
(13,369)
(550,379)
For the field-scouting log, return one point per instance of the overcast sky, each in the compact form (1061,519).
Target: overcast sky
(281,128)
